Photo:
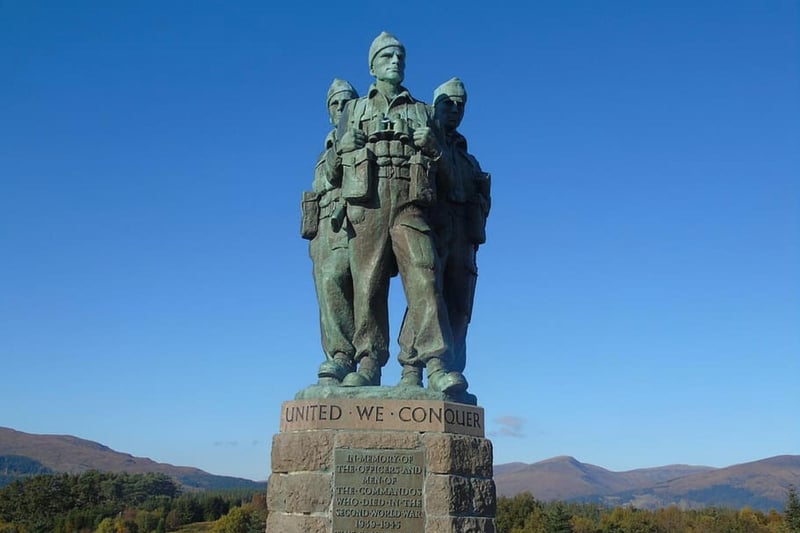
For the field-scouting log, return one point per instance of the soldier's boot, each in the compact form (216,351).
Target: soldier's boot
(368,373)
(411,376)
(333,371)
(439,379)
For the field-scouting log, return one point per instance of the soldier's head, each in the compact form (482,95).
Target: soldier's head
(449,101)
(387,59)
(339,93)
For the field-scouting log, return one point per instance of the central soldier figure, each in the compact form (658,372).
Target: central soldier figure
(388,157)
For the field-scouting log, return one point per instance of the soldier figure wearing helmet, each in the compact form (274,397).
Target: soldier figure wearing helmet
(460,216)
(389,154)
(325,224)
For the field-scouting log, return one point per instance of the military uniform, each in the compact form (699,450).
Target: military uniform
(459,225)
(329,252)
(390,228)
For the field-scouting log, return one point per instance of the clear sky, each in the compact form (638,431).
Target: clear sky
(639,294)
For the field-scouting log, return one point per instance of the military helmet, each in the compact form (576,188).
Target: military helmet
(452,87)
(384,40)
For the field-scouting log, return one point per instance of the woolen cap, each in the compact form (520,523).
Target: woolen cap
(384,40)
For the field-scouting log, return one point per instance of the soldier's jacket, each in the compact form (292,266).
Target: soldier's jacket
(325,198)
(390,151)
(462,182)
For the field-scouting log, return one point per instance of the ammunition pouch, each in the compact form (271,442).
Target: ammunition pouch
(358,175)
(309,221)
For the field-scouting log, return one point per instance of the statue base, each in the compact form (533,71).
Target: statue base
(383,392)
(375,465)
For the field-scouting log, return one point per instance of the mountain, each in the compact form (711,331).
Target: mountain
(25,454)
(760,484)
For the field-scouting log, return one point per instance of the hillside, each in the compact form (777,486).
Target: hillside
(760,484)
(23,454)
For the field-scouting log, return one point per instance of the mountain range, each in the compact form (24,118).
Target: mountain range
(25,454)
(760,484)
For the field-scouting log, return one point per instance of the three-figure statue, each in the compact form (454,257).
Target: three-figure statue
(395,192)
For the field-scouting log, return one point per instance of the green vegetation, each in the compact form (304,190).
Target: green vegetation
(524,514)
(99,502)
(105,502)
(793,511)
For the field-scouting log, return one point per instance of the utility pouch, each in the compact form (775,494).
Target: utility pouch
(484,185)
(359,175)
(422,190)
(309,222)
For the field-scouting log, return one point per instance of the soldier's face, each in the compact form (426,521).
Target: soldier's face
(389,65)
(449,111)
(336,106)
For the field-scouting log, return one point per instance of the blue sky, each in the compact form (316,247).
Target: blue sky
(639,297)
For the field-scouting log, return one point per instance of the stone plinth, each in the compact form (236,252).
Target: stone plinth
(347,465)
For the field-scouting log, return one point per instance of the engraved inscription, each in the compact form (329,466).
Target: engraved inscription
(378,491)
(404,415)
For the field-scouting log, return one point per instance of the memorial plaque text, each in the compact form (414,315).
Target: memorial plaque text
(378,491)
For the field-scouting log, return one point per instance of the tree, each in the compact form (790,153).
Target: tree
(238,520)
(512,513)
(792,511)
(557,519)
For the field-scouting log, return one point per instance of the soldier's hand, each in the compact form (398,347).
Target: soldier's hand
(352,140)
(426,141)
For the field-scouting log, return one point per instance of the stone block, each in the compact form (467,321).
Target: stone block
(288,523)
(484,497)
(447,495)
(458,454)
(459,524)
(307,492)
(377,440)
(276,495)
(309,451)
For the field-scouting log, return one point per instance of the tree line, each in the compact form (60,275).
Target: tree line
(106,502)
(525,514)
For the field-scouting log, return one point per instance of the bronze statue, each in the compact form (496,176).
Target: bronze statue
(389,154)
(395,192)
(325,224)
(460,214)
(459,221)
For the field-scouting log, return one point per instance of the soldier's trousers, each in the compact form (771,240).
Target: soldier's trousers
(459,277)
(334,285)
(391,233)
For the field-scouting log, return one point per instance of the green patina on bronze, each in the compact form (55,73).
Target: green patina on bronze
(395,193)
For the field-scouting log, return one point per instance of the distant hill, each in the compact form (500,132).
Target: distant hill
(25,454)
(760,484)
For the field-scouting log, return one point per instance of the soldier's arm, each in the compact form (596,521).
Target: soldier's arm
(349,138)
(332,161)
(483,185)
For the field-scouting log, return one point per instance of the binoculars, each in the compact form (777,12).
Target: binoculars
(386,129)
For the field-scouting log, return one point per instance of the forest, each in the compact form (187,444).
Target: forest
(524,514)
(102,502)
(105,502)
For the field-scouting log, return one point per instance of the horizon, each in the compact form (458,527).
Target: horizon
(546,460)
(638,300)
